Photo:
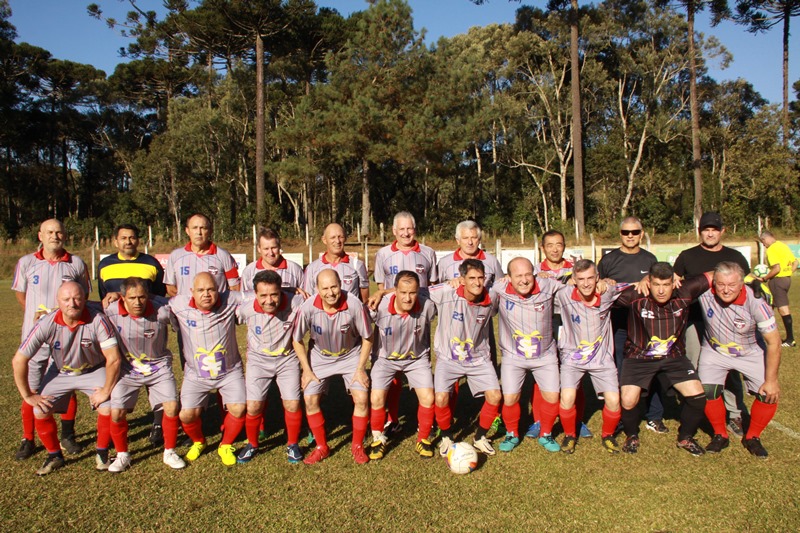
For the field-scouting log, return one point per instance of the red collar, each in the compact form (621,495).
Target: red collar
(414,248)
(393,310)
(511,290)
(212,250)
(82,321)
(740,300)
(578,298)
(546,266)
(194,305)
(261,265)
(281,305)
(123,311)
(484,301)
(458,257)
(342,303)
(63,258)
(345,259)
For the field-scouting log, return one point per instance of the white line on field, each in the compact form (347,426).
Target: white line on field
(780,427)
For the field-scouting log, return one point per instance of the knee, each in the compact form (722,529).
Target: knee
(117,414)
(511,399)
(104,411)
(170,408)
(291,406)
(188,416)
(254,408)
(550,397)
(442,399)
(236,410)
(312,403)
(696,401)
(425,397)
(493,397)
(377,399)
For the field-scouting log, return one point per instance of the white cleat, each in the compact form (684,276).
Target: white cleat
(444,445)
(121,463)
(483,445)
(173,460)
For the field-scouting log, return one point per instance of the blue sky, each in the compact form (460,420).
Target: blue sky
(65,29)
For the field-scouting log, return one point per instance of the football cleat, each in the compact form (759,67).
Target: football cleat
(735,426)
(568,444)
(391,428)
(25,450)
(293,453)
(788,343)
(610,444)
(227,454)
(717,444)
(631,444)
(377,449)
(657,426)
(195,451)
(69,445)
(755,447)
(121,463)
(483,445)
(173,460)
(444,445)
(246,454)
(318,454)
(101,460)
(691,446)
(424,448)
(53,462)
(358,454)
(549,443)
(509,443)
(534,430)
(156,435)
(497,426)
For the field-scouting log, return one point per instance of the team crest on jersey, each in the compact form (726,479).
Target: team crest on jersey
(213,271)
(345,328)
(420,269)
(538,307)
(677,313)
(285,284)
(65,278)
(739,323)
(287,326)
(350,278)
(149,333)
(481,319)
(86,343)
(603,316)
(646,313)
(417,329)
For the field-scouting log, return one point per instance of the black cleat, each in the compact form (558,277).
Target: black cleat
(631,444)
(69,445)
(717,444)
(53,462)
(755,447)
(25,450)
(657,426)
(156,435)
(691,446)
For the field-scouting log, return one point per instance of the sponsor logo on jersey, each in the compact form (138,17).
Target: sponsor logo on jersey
(149,333)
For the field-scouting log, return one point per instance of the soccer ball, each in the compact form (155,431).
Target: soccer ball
(462,458)
(760,270)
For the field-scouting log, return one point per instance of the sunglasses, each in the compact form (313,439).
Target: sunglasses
(626,232)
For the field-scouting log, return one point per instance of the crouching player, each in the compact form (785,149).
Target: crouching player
(586,346)
(142,324)
(85,358)
(403,338)
(270,357)
(732,314)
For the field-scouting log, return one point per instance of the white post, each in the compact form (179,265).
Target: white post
(536,253)
(383,241)
(307,241)
(255,243)
(96,241)
(366,254)
(577,235)
(358,232)
(94,276)
(594,252)
(522,232)
(146,249)
(497,248)
(647,236)
(310,252)
(149,236)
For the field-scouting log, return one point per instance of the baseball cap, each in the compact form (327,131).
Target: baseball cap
(711,220)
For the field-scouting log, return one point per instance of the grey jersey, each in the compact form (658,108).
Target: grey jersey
(390,260)
(352,273)
(337,334)
(587,339)
(731,329)
(290,272)
(404,336)
(462,333)
(143,340)
(448,267)
(526,322)
(183,265)
(269,335)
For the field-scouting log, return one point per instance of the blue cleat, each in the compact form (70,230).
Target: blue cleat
(509,443)
(534,430)
(294,454)
(247,454)
(549,443)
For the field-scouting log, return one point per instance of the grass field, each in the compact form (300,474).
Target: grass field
(659,489)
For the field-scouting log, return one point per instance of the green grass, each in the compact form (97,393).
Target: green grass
(659,489)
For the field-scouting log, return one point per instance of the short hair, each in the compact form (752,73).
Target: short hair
(406,275)
(631,220)
(268,234)
(468,224)
(766,233)
(336,274)
(270,277)
(553,233)
(190,217)
(582,265)
(661,270)
(729,267)
(134,282)
(404,214)
(471,264)
(130,227)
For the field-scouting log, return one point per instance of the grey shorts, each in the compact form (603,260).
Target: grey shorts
(780,290)
(544,370)
(604,379)
(714,368)
(37,367)
(327,367)
(481,377)
(61,386)
(285,370)
(195,390)
(417,371)
(161,388)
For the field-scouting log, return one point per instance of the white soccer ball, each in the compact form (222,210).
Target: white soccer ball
(760,270)
(462,458)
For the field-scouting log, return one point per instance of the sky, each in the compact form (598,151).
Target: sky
(65,29)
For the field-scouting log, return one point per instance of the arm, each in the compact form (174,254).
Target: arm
(770,390)
(360,375)
(20,299)
(172,290)
(364,295)
(20,365)
(308,374)
(774,270)
(113,362)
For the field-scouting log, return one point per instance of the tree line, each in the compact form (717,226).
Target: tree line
(282,113)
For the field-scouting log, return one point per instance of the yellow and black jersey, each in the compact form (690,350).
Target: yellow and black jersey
(113,270)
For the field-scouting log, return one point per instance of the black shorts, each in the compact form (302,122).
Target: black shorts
(669,371)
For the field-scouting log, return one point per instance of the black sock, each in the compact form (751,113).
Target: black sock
(630,420)
(480,433)
(787,324)
(67,428)
(692,414)
(158,417)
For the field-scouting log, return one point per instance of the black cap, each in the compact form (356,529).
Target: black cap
(711,220)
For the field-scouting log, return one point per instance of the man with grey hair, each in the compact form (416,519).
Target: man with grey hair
(782,264)
(468,237)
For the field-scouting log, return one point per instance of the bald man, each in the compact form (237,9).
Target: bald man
(352,272)
(36,280)
(85,358)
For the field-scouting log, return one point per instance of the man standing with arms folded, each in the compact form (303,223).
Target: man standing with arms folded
(36,279)
(695,261)
(782,264)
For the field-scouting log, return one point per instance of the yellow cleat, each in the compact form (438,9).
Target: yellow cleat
(195,451)
(226,452)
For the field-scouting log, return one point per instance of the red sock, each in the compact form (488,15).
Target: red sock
(580,404)
(194,430)
(393,401)
(760,415)
(222,412)
(170,427)
(511,414)
(233,426)
(610,421)
(360,425)
(293,422)
(261,427)
(549,415)
(119,434)
(715,412)
(377,419)
(316,423)
(452,404)
(568,417)
(251,427)
(72,408)
(488,414)
(425,422)
(28,422)
(536,403)
(443,416)
(48,433)
(103,431)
